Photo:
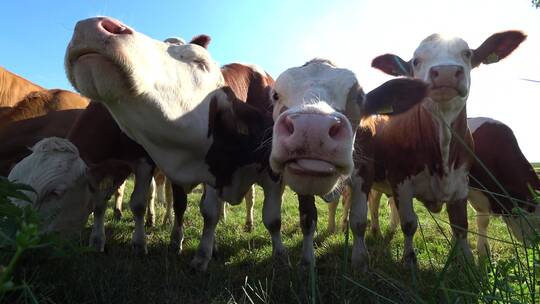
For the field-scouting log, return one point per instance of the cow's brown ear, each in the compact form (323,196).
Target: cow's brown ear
(108,175)
(202,40)
(392,65)
(497,47)
(395,96)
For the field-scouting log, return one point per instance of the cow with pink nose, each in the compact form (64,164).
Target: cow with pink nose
(317,108)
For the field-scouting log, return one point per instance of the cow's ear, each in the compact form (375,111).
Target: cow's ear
(107,175)
(497,47)
(202,40)
(393,65)
(227,113)
(395,96)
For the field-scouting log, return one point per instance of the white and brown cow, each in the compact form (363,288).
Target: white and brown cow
(496,148)
(426,152)
(173,100)
(317,108)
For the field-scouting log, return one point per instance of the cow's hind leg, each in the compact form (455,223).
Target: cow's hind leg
(118,200)
(151,210)
(457,214)
(250,202)
(179,202)
(138,203)
(374,201)
(308,223)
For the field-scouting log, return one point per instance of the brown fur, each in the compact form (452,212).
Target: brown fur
(13,88)
(18,137)
(497,147)
(39,103)
(240,137)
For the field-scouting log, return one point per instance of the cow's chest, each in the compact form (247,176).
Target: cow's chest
(435,189)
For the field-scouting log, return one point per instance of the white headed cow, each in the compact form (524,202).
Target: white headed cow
(426,152)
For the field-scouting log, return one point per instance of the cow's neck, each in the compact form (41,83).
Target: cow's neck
(451,122)
(13,88)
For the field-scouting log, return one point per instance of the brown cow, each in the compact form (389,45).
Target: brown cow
(425,152)
(14,88)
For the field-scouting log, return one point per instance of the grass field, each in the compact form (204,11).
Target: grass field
(242,271)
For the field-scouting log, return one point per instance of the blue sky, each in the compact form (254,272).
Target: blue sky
(280,34)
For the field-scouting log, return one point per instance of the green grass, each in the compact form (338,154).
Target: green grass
(243,271)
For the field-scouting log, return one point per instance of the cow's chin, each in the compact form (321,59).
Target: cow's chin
(97,77)
(311,176)
(446,94)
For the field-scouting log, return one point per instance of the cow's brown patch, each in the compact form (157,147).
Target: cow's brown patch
(497,148)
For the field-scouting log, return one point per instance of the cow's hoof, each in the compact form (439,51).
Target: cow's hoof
(98,243)
(344,226)
(281,258)
(409,260)
(360,264)
(248,227)
(117,215)
(376,232)
(140,250)
(199,263)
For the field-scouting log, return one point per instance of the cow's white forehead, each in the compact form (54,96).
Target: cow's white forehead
(54,162)
(437,45)
(316,81)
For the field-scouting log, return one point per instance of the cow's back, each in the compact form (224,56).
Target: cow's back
(19,136)
(250,84)
(14,88)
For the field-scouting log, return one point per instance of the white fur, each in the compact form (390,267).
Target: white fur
(55,171)
(476,122)
(159,94)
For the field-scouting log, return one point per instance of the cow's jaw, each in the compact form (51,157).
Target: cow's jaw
(313,135)
(122,67)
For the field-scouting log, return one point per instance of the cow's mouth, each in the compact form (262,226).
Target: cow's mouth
(445,93)
(311,167)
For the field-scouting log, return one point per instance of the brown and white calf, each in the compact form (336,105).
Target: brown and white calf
(425,153)
(317,108)
(173,100)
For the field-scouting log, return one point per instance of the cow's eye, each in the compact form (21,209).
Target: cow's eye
(467,54)
(416,62)
(275,96)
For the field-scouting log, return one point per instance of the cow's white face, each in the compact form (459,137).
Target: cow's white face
(57,174)
(316,112)
(110,62)
(446,65)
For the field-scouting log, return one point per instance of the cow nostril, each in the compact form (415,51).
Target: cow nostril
(289,125)
(115,27)
(335,129)
(459,73)
(434,74)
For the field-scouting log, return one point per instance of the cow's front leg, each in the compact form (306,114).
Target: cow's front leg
(210,208)
(138,203)
(403,198)
(97,236)
(250,202)
(179,202)
(272,218)
(308,222)
(358,223)
(332,206)
(457,214)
